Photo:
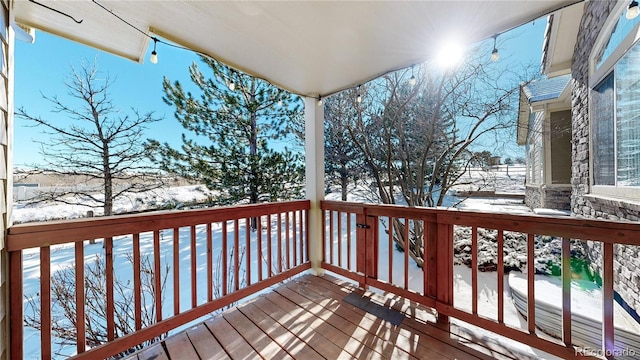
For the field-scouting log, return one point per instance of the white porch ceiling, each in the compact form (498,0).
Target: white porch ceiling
(306,47)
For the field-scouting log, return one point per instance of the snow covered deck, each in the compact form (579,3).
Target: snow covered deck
(312,317)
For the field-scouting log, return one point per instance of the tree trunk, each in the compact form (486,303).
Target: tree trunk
(414,242)
(108,181)
(344,181)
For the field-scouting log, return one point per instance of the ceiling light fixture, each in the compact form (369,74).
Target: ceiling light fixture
(359,98)
(633,11)
(413,80)
(494,54)
(231,84)
(154,55)
(319,100)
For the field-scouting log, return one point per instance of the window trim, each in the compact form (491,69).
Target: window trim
(596,76)
(609,65)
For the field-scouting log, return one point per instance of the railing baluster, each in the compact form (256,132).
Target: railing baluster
(306,235)
(531,285)
(236,253)
(331,230)
(287,239)
(407,248)
(176,271)
(566,291)
(111,325)
(607,299)
(348,241)
(269,245)
(259,246)
(157,286)
(294,227)
(224,258)
(81,335)
(301,234)
(16,309)
(361,246)
(340,239)
(210,260)
(431,259)
(280,242)
(425,284)
(247,239)
(194,291)
(500,276)
(45,301)
(390,250)
(137,281)
(474,270)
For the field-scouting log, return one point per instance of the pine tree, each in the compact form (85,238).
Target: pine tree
(343,161)
(237,126)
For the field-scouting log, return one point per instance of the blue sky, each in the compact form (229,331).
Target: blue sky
(41,68)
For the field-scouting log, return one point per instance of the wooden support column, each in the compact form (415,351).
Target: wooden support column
(314,178)
(444,268)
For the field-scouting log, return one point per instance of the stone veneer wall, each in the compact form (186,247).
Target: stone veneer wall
(558,197)
(533,196)
(552,197)
(627,260)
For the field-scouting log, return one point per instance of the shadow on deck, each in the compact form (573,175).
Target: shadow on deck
(308,318)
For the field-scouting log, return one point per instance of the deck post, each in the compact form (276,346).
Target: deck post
(444,268)
(314,178)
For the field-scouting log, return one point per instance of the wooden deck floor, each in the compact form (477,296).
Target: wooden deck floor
(307,318)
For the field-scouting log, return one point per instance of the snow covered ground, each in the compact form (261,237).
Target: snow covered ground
(498,181)
(171,197)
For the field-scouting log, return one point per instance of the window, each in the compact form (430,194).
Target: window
(602,133)
(614,112)
(627,116)
(560,141)
(622,28)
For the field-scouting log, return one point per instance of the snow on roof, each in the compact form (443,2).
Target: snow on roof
(536,94)
(546,89)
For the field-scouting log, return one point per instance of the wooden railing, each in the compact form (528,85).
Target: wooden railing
(248,261)
(359,244)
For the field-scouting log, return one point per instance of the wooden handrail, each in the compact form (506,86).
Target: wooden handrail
(291,235)
(437,252)
(33,235)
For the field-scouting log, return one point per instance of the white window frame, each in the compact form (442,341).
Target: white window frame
(597,74)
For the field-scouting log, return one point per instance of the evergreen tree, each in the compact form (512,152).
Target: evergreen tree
(237,125)
(343,161)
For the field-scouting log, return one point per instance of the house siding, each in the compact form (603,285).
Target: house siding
(6,182)
(626,262)
(535,158)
